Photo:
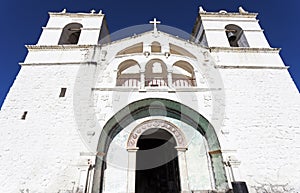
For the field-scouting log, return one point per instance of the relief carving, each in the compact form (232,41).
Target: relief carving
(157,124)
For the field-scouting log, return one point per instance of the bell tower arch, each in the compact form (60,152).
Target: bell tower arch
(215,29)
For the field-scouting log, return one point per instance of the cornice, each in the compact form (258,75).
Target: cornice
(56,63)
(236,15)
(76,14)
(58,47)
(244,50)
(252,67)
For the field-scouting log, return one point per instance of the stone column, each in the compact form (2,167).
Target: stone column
(142,84)
(170,84)
(183,172)
(131,170)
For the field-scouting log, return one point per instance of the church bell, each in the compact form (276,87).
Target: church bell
(231,36)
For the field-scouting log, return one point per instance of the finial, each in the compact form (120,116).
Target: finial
(93,11)
(155,22)
(64,11)
(242,11)
(100,12)
(201,10)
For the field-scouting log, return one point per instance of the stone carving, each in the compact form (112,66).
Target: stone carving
(159,124)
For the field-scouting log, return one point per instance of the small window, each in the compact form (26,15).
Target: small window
(155,47)
(70,34)
(236,36)
(62,92)
(24,115)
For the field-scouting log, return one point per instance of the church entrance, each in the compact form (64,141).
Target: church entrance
(157,167)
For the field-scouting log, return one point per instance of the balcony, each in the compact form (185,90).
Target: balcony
(156,82)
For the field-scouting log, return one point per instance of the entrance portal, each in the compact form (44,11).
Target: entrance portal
(157,163)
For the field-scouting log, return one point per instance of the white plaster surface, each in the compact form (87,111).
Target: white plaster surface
(49,150)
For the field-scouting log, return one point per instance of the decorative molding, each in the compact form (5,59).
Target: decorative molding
(58,47)
(91,28)
(136,89)
(244,50)
(237,15)
(75,14)
(248,30)
(58,63)
(159,124)
(252,67)
(52,28)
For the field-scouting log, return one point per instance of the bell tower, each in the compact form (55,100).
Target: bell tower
(223,29)
(69,28)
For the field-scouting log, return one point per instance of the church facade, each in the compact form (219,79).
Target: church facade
(151,111)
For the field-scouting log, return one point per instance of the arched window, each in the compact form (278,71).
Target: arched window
(156,74)
(183,75)
(128,74)
(236,36)
(70,34)
(155,47)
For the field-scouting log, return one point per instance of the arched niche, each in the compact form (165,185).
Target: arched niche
(183,74)
(236,36)
(159,107)
(134,49)
(155,47)
(180,51)
(70,34)
(156,73)
(128,74)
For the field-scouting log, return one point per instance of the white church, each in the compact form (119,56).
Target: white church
(151,111)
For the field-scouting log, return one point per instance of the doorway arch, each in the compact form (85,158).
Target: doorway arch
(175,160)
(157,164)
(159,107)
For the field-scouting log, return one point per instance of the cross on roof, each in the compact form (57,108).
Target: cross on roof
(155,22)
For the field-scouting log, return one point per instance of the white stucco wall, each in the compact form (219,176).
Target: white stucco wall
(48,152)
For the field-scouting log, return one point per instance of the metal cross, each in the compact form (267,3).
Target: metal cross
(155,22)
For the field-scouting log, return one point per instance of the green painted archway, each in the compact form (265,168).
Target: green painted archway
(159,107)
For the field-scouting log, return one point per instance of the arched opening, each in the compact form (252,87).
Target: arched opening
(136,48)
(156,74)
(157,167)
(128,74)
(183,75)
(155,47)
(160,107)
(180,51)
(70,34)
(236,36)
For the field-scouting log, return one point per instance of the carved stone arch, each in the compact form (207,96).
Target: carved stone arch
(140,109)
(159,124)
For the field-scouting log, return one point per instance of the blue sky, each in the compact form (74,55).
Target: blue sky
(22,22)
